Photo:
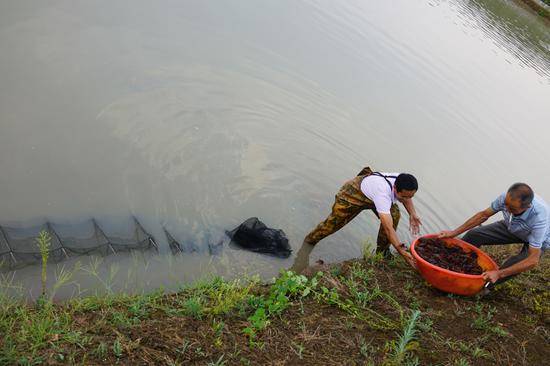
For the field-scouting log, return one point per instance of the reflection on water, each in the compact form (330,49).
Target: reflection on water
(518,32)
(196,116)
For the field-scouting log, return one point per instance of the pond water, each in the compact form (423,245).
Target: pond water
(195,115)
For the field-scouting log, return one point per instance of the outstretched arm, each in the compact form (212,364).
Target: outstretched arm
(414,219)
(472,222)
(387,223)
(530,262)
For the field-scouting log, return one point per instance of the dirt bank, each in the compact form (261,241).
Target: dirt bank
(541,7)
(362,312)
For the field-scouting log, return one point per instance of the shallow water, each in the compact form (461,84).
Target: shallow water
(198,115)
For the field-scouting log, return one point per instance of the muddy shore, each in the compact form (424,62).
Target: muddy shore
(367,311)
(540,7)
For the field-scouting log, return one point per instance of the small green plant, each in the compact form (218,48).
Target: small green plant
(286,286)
(199,352)
(44,241)
(483,319)
(499,331)
(298,349)
(184,347)
(217,327)
(139,308)
(62,277)
(258,321)
(245,361)
(121,320)
(369,255)
(478,352)
(461,362)
(365,349)
(336,271)
(117,348)
(219,362)
(101,350)
(194,307)
(405,344)
(425,324)
(356,306)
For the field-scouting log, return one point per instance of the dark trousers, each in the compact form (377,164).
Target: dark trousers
(497,234)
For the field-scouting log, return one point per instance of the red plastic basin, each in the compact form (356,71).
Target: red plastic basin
(450,281)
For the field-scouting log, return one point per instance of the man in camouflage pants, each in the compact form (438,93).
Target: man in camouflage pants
(369,191)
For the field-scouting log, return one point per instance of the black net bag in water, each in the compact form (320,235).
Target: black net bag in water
(253,235)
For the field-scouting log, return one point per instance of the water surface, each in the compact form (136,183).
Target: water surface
(197,115)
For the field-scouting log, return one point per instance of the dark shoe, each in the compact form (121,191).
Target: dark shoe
(486,290)
(386,253)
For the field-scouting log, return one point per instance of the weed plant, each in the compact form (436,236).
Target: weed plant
(44,241)
(400,349)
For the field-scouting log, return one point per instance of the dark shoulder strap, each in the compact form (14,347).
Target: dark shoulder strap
(365,171)
(378,174)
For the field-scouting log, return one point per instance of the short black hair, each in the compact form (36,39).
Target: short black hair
(522,192)
(407,182)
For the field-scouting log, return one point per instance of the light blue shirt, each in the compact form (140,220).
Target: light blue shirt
(532,226)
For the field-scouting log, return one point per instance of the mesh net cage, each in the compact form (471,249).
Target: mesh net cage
(19,248)
(210,244)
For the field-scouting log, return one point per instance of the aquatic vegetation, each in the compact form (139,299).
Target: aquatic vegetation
(44,242)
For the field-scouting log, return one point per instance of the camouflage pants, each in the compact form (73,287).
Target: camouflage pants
(349,202)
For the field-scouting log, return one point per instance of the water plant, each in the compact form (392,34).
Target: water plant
(44,241)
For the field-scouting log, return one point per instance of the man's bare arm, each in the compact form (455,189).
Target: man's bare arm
(387,224)
(530,262)
(409,206)
(414,219)
(472,222)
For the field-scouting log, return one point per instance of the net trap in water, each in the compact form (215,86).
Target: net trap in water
(19,247)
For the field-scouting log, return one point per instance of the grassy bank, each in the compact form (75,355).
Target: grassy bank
(539,8)
(362,312)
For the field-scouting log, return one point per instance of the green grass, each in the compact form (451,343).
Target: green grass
(461,362)
(29,330)
(483,320)
(36,335)
(220,362)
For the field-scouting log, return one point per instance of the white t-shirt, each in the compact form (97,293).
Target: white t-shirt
(378,190)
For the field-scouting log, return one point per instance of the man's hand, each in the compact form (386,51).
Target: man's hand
(409,258)
(414,224)
(492,276)
(446,234)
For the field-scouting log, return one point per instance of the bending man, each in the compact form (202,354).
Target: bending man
(526,220)
(374,191)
